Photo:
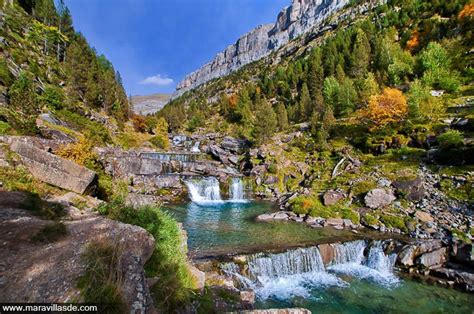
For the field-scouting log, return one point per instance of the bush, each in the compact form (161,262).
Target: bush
(52,97)
(5,128)
(159,142)
(451,139)
(303,204)
(370,219)
(394,222)
(168,261)
(102,279)
(81,153)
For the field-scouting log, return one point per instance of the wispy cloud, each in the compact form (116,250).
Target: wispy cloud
(157,80)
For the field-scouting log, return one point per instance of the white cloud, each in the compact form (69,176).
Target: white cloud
(157,80)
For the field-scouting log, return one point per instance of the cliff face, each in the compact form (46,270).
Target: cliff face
(300,17)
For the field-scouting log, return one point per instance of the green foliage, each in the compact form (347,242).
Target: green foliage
(50,233)
(24,105)
(6,78)
(102,280)
(94,131)
(451,139)
(265,122)
(370,219)
(436,66)
(5,128)
(168,261)
(42,208)
(53,97)
(392,221)
(362,187)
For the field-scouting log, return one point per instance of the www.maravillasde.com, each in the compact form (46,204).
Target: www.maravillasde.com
(46,307)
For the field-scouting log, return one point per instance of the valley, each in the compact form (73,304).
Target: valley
(323,163)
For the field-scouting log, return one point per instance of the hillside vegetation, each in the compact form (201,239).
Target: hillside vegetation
(381,91)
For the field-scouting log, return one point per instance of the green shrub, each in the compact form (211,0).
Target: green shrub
(159,142)
(168,261)
(348,213)
(52,97)
(370,219)
(5,128)
(451,139)
(303,204)
(102,279)
(363,187)
(50,233)
(394,222)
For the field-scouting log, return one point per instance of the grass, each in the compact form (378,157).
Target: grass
(102,280)
(50,233)
(168,262)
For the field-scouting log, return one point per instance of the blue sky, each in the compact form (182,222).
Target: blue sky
(155,43)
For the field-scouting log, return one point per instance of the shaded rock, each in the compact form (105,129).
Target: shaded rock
(432,259)
(331,197)
(55,170)
(464,253)
(413,189)
(378,198)
(461,278)
(234,145)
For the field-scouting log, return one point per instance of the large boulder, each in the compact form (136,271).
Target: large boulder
(378,198)
(233,145)
(434,259)
(55,170)
(49,272)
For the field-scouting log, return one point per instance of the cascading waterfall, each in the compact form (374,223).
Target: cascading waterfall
(204,190)
(195,147)
(207,191)
(237,191)
(164,157)
(297,272)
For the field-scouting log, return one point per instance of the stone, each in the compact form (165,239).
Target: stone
(198,276)
(378,198)
(423,216)
(332,197)
(247,296)
(236,146)
(334,222)
(327,253)
(413,189)
(55,170)
(280,216)
(461,278)
(406,256)
(432,259)
(464,253)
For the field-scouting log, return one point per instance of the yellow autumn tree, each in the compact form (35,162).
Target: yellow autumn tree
(390,107)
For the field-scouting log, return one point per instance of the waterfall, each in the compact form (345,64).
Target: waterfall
(237,190)
(164,157)
(195,148)
(296,272)
(204,191)
(349,252)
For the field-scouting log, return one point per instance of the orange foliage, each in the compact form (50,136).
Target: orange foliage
(307,204)
(233,101)
(414,41)
(139,123)
(467,11)
(386,108)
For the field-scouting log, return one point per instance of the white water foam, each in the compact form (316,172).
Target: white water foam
(296,273)
(237,191)
(204,191)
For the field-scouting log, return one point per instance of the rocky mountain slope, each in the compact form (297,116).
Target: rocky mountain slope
(299,18)
(149,104)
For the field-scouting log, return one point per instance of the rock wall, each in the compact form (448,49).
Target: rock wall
(297,19)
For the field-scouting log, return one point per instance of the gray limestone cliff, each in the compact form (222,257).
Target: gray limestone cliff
(297,19)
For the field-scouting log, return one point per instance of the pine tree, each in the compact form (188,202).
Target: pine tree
(315,81)
(360,56)
(265,123)
(304,104)
(282,117)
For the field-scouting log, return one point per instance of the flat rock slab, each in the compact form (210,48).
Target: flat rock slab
(55,170)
